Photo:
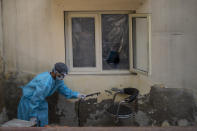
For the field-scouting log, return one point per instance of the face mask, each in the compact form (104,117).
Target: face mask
(60,76)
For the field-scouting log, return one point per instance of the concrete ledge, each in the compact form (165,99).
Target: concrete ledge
(194,128)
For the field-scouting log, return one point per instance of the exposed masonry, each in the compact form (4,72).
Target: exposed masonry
(161,107)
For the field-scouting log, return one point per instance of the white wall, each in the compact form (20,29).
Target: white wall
(27,36)
(33,34)
(90,5)
(1,40)
(174,41)
(34,40)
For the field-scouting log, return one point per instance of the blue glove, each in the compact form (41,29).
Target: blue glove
(81,96)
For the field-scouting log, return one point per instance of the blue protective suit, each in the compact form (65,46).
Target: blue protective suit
(33,103)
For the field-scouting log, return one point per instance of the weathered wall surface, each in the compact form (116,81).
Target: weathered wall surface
(1,39)
(27,36)
(2,109)
(162,107)
(33,34)
(10,93)
(33,40)
(95,5)
(37,25)
(173,41)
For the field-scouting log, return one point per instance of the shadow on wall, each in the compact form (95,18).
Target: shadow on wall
(10,93)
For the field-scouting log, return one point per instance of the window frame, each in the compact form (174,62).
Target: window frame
(132,69)
(70,51)
(98,43)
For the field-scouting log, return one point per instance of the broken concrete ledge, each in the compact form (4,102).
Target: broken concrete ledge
(194,128)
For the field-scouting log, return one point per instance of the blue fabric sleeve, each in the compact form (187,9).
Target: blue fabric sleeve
(65,91)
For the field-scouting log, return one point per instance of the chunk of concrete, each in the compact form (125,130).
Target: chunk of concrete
(142,119)
(18,123)
(165,124)
(172,104)
(183,122)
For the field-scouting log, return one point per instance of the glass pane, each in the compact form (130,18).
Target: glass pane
(115,41)
(140,43)
(83,41)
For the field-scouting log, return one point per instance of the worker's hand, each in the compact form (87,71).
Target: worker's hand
(81,96)
(33,120)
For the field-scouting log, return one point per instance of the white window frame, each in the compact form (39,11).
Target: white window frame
(83,69)
(148,17)
(98,43)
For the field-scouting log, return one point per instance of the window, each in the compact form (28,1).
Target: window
(107,42)
(140,39)
(115,29)
(83,36)
(83,45)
